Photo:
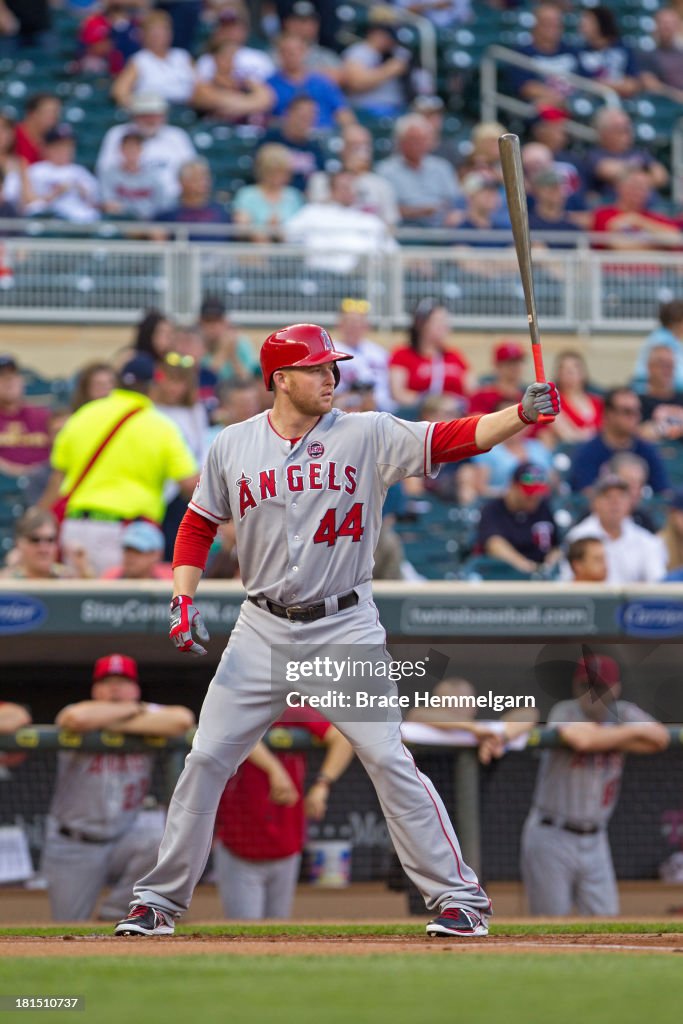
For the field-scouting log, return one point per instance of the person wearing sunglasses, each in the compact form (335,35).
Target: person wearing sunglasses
(35,553)
(619,433)
(632,553)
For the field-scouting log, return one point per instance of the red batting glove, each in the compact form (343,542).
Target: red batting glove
(184,618)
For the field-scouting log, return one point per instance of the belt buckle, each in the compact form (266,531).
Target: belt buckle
(292,610)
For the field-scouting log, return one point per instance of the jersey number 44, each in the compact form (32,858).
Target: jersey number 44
(350,526)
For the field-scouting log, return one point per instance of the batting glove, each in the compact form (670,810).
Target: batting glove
(185,617)
(539,400)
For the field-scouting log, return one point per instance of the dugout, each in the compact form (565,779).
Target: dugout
(525,634)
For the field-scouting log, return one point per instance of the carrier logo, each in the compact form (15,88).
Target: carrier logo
(316,449)
(19,614)
(652,618)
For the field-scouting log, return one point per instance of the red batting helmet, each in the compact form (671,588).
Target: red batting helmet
(298,345)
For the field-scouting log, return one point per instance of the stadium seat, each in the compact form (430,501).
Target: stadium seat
(672,455)
(483,567)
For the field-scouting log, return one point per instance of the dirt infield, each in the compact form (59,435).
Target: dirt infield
(106,945)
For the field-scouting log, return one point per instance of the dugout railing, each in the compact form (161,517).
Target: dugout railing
(107,280)
(488,804)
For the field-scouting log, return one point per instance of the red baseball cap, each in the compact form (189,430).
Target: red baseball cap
(598,670)
(508,352)
(95,30)
(115,665)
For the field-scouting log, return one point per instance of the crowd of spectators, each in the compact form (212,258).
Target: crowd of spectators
(612,460)
(282,80)
(309,100)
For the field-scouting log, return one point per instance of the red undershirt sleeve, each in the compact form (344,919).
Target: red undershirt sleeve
(193,540)
(454,440)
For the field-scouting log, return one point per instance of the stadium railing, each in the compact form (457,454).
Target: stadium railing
(677,162)
(99,279)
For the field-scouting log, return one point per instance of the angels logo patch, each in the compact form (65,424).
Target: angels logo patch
(247,499)
(316,449)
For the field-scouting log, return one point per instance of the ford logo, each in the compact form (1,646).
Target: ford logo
(20,614)
(652,618)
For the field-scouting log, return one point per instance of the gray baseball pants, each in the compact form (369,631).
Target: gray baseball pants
(76,872)
(562,870)
(241,703)
(251,890)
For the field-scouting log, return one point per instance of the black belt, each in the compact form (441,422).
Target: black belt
(305,613)
(578,830)
(81,837)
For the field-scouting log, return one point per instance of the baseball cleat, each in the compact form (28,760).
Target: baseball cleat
(144,920)
(458,922)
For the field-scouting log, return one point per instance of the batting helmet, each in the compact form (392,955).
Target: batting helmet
(298,345)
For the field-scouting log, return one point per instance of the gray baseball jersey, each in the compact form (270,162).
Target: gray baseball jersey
(294,547)
(100,794)
(564,869)
(582,788)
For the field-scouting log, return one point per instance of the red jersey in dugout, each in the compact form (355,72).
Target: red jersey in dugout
(248,823)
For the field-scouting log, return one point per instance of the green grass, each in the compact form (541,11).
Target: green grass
(330,930)
(467,988)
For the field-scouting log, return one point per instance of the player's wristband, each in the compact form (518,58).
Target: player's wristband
(522,415)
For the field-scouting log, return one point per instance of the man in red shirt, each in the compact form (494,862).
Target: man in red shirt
(630,215)
(24,436)
(506,386)
(261,820)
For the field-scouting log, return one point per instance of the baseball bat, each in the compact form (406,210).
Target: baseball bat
(513,179)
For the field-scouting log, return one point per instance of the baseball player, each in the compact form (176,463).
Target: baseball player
(566,857)
(304,485)
(92,838)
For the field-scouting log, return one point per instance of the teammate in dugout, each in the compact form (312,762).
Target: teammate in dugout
(93,835)
(566,858)
(304,485)
(261,820)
